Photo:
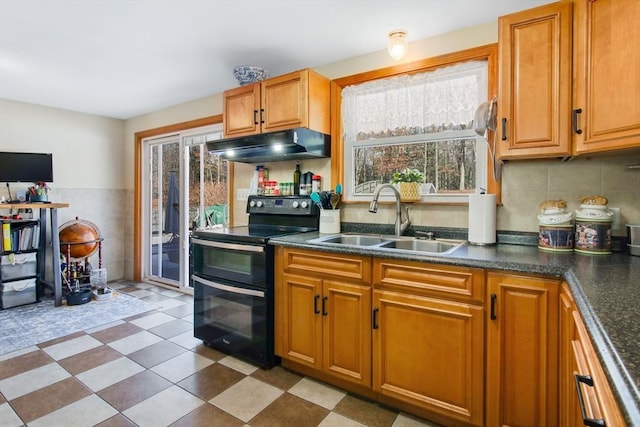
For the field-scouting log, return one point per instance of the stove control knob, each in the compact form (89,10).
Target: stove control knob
(259,203)
(252,203)
(304,204)
(295,204)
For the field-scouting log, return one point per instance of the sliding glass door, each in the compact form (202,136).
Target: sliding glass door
(186,187)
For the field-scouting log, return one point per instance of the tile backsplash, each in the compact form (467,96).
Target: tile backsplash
(527,183)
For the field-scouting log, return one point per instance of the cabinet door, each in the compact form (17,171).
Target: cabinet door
(522,351)
(300,331)
(607,75)
(577,357)
(346,310)
(241,108)
(534,109)
(285,102)
(429,353)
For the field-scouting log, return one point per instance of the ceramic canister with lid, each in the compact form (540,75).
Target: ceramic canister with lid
(556,227)
(593,228)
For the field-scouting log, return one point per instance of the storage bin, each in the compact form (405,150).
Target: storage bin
(17,266)
(18,292)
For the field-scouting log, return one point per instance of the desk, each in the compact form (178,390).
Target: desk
(56,286)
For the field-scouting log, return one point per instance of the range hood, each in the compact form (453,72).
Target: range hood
(292,144)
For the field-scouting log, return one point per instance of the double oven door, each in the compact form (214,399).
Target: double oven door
(233,298)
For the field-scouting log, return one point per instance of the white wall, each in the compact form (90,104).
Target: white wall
(88,168)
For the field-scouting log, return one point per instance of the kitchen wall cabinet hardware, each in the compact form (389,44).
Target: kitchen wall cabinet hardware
(522,351)
(592,403)
(334,339)
(419,316)
(293,100)
(535,82)
(590,44)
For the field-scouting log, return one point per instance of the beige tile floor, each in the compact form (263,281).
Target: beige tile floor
(149,370)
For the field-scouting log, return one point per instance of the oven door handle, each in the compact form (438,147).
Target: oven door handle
(227,288)
(232,246)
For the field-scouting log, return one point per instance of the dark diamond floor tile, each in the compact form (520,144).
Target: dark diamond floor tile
(133,390)
(2,399)
(89,359)
(171,329)
(116,421)
(277,377)
(116,332)
(128,289)
(156,353)
(24,363)
(208,415)
(48,399)
(208,352)
(211,381)
(290,410)
(61,339)
(365,411)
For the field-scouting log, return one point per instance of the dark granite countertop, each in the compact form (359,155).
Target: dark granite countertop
(606,289)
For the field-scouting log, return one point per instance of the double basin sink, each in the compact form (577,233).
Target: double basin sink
(391,243)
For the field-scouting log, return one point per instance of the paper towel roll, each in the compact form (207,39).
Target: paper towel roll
(482,219)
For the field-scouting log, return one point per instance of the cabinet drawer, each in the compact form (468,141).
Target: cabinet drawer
(331,264)
(16,266)
(419,278)
(18,292)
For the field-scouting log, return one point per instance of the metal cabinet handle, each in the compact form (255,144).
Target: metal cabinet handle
(504,128)
(262,115)
(493,306)
(324,306)
(574,121)
(374,318)
(255,117)
(591,422)
(315,304)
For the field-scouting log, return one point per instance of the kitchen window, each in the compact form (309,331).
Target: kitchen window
(421,120)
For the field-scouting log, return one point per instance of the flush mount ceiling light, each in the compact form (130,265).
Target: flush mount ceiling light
(398,44)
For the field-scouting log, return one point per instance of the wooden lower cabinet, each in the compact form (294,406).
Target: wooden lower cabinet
(429,353)
(522,351)
(324,321)
(579,360)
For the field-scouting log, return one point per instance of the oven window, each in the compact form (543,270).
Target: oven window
(239,262)
(232,314)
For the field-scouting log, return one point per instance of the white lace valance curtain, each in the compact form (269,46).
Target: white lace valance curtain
(433,101)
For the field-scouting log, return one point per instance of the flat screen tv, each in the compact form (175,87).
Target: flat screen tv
(26,167)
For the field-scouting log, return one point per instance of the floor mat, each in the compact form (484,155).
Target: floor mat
(35,323)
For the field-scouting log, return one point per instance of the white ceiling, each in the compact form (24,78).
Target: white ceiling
(123,58)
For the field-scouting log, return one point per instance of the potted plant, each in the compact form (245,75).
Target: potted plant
(408,182)
(39,192)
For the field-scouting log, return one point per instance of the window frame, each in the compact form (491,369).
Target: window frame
(486,52)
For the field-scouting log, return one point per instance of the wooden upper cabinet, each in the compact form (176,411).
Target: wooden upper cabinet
(534,107)
(606,75)
(298,99)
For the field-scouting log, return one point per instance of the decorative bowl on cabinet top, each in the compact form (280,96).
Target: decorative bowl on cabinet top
(247,74)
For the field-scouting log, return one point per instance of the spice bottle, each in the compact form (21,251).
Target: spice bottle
(316,183)
(296,180)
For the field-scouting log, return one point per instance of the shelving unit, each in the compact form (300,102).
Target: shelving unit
(18,262)
(41,224)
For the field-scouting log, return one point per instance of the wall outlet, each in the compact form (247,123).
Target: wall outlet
(242,194)
(615,224)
